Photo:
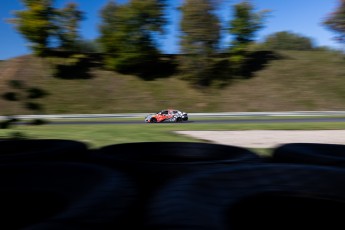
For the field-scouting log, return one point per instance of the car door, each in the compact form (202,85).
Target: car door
(163,115)
(170,114)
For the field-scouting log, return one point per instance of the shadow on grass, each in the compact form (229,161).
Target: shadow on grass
(79,70)
(257,61)
(75,66)
(164,66)
(148,70)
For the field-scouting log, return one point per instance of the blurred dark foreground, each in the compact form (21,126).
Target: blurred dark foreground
(62,184)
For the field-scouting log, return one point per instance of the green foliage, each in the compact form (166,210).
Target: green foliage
(238,58)
(287,41)
(200,27)
(199,41)
(87,46)
(147,15)
(336,22)
(243,26)
(67,23)
(128,33)
(40,23)
(245,23)
(36,23)
(109,27)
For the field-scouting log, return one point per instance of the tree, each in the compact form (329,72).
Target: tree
(109,33)
(67,23)
(200,29)
(36,23)
(336,22)
(285,40)
(243,26)
(40,22)
(128,32)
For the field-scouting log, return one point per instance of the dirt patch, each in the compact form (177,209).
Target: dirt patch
(268,138)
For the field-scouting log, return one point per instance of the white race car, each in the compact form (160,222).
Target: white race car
(167,115)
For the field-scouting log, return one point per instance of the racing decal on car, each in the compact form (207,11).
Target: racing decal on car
(167,115)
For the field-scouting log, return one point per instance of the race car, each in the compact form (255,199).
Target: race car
(167,115)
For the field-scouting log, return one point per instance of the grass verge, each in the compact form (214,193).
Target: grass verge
(100,135)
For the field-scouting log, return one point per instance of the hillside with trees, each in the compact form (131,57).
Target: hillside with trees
(129,35)
(123,70)
(287,80)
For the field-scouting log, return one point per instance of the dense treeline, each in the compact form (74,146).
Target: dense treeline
(129,35)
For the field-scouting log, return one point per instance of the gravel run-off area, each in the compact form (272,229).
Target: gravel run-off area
(268,138)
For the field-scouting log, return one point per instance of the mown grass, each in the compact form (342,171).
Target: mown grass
(100,135)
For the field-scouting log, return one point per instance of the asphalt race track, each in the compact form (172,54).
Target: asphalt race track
(228,121)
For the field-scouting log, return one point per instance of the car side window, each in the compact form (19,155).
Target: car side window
(165,112)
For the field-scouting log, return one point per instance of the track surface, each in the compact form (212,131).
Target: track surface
(200,121)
